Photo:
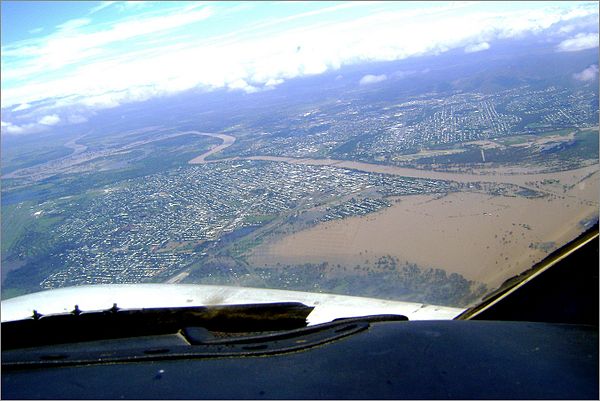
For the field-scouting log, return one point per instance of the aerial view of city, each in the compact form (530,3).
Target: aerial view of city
(431,176)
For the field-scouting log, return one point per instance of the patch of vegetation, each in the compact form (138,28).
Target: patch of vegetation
(15,221)
(32,159)
(543,246)
(260,219)
(558,156)
(516,140)
(27,278)
(25,234)
(384,279)
(585,147)
(12,292)
(147,159)
(471,154)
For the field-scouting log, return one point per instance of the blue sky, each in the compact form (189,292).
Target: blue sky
(61,60)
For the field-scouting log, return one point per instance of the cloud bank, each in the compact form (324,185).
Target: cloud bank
(49,120)
(479,47)
(372,79)
(589,74)
(38,126)
(579,42)
(102,65)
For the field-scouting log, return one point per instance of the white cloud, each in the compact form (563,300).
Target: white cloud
(566,29)
(477,47)
(125,5)
(42,124)
(10,128)
(73,24)
(101,6)
(96,66)
(104,101)
(70,46)
(588,74)
(580,42)
(243,85)
(121,5)
(52,119)
(273,82)
(22,106)
(372,79)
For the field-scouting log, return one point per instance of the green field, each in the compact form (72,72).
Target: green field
(519,139)
(24,234)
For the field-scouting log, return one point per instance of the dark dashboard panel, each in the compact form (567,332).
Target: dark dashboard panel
(410,360)
(538,338)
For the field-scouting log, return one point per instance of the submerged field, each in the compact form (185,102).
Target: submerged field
(484,238)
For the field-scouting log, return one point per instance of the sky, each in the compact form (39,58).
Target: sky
(61,61)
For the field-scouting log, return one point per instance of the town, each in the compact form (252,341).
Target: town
(164,222)
(381,132)
(154,226)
